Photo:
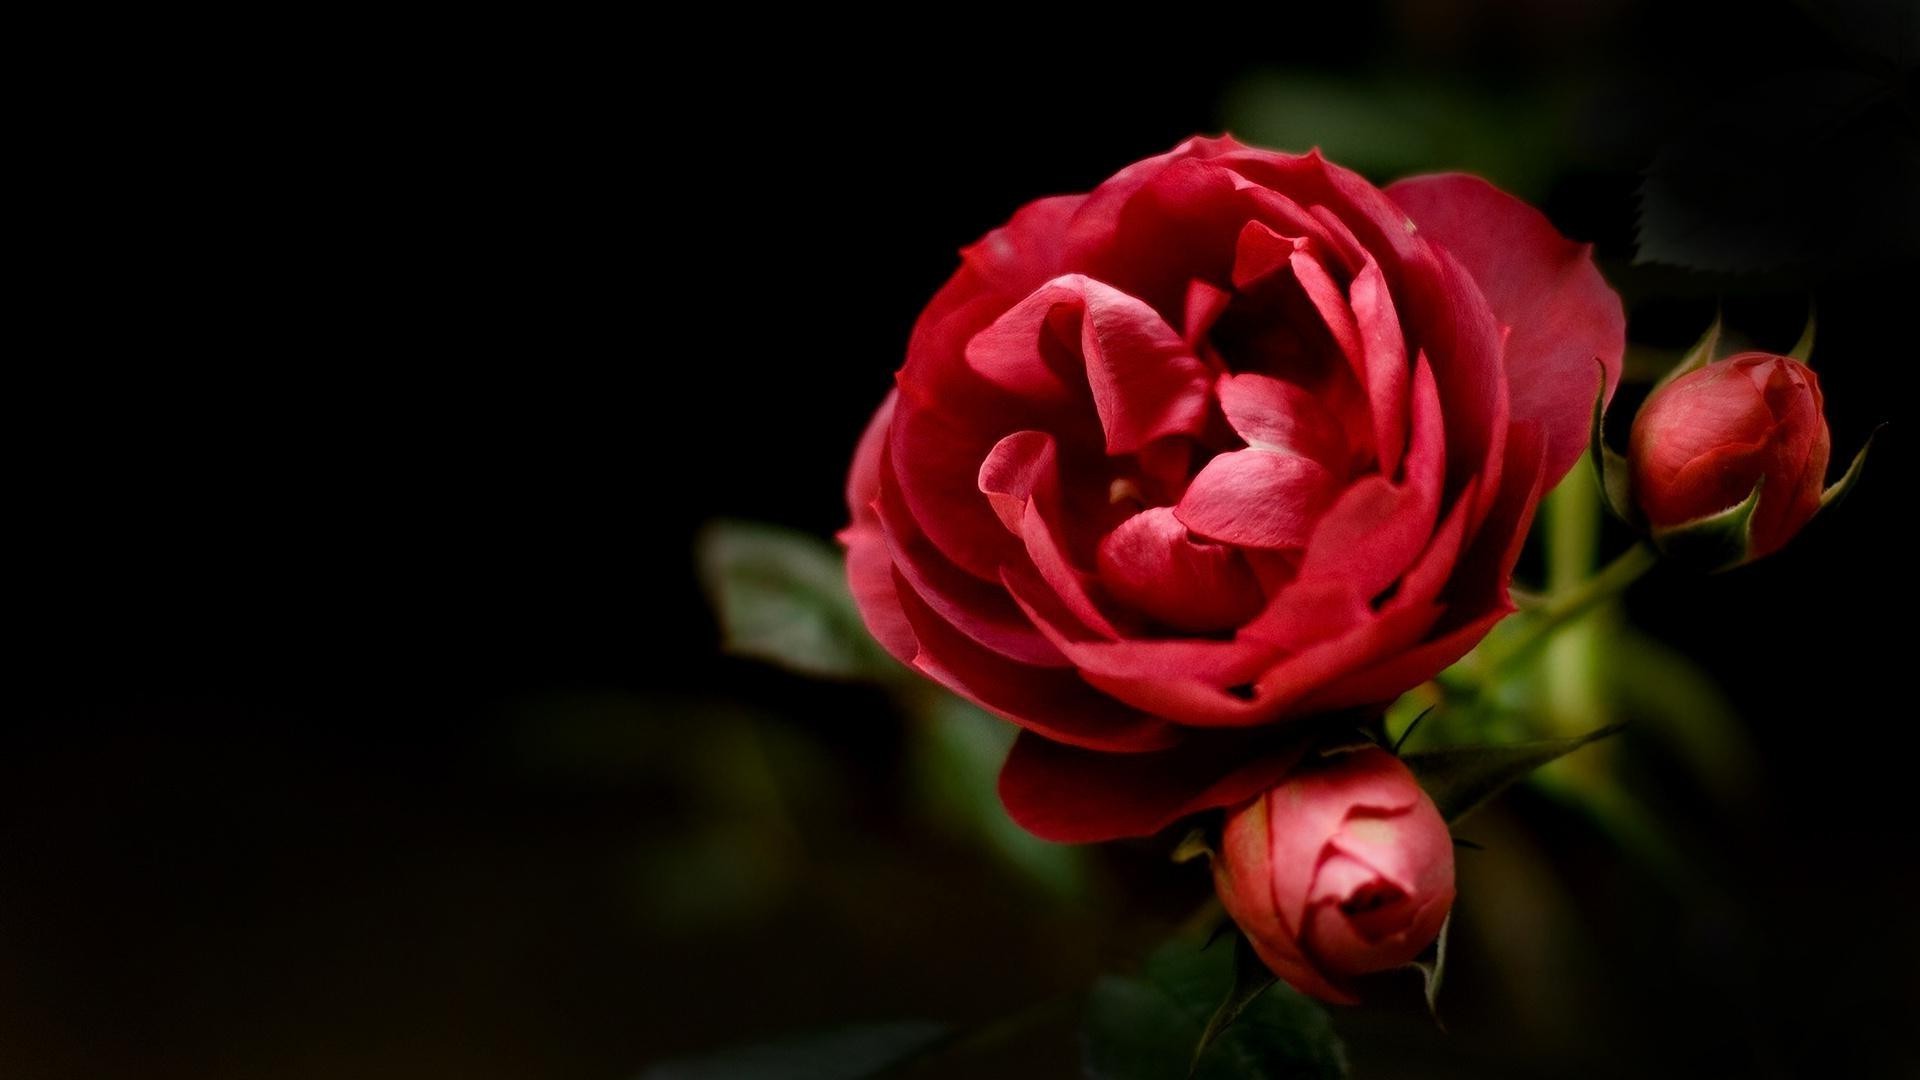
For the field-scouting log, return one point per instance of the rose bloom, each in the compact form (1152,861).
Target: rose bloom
(1702,442)
(1345,869)
(1235,439)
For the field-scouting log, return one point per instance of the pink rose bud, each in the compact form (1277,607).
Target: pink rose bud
(1343,870)
(1749,427)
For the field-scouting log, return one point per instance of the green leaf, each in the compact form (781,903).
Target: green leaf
(1609,467)
(954,760)
(1716,542)
(1851,477)
(1671,701)
(849,1053)
(1460,779)
(1250,979)
(781,596)
(1145,1027)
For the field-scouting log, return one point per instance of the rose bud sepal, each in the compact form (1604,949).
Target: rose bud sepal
(1713,543)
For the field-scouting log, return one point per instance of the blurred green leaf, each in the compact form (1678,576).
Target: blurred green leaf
(1388,128)
(1145,1027)
(1250,979)
(956,755)
(1461,779)
(782,597)
(850,1053)
(1669,698)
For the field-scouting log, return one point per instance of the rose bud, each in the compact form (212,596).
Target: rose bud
(1728,461)
(1344,870)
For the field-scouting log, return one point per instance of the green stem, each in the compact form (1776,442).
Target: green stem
(1567,605)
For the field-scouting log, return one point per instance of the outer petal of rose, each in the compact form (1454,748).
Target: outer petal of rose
(948,417)
(1256,498)
(943,427)
(863,480)
(1016,257)
(979,609)
(870,576)
(1160,235)
(1542,285)
(1050,701)
(1075,796)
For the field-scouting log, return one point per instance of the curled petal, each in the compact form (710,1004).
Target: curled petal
(1257,498)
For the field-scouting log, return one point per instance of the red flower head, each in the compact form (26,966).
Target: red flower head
(1234,439)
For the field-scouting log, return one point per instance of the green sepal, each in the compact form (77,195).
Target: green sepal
(1716,542)
(1609,467)
(1851,477)
(1704,352)
(1461,779)
(1195,845)
(1803,348)
(1434,969)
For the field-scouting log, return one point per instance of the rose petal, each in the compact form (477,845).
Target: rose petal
(1146,383)
(1272,414)
(1256,498)
(1075,796)
(980,609)
(863,480)
(1152,563)
(1375,528)
(1542,285)
(1053,702)
(870,577)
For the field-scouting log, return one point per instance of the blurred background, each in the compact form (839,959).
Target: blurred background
(370,716)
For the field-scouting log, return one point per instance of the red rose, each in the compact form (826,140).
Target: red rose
(1345,869)
(1703,442)
(1234,439)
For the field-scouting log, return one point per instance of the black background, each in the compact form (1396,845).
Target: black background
(384,374)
